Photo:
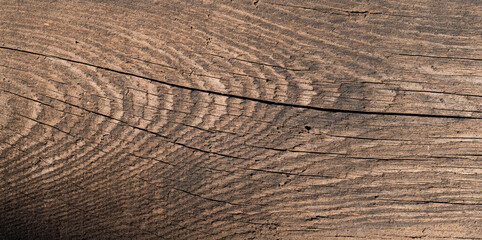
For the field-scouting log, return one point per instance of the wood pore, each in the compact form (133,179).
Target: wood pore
(218,119)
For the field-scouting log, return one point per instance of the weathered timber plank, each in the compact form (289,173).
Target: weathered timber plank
(240,119)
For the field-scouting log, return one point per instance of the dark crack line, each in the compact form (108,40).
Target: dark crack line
(166,186)
(149,62)
(134,155)
(271,65)
(162,136)
(151,107)
(254,62)
(372,139)
(149,131)
(289,174)
(170,186)
(429,201)
(206,198)
(37,101)
(45,124)
(124,123)
(268,102)
(443,57)
(332,11)
(347,13)
(438,92)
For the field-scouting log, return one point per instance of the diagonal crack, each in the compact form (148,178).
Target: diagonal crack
(162,136)
(42,123)
(124,123)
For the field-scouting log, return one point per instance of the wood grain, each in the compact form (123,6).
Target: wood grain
(222,119)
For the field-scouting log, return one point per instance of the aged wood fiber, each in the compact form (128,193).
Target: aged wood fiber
(219,119)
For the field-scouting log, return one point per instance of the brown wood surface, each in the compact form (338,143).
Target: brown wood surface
(218,119)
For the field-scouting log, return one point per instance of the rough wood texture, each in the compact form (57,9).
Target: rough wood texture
(219,119)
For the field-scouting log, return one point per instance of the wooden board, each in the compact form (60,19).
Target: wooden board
(220,119)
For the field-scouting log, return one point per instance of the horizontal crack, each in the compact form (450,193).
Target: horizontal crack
(432,56)
(429,201)
(332,11)
(269,102)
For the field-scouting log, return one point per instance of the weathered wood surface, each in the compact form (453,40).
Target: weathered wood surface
(267,119)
